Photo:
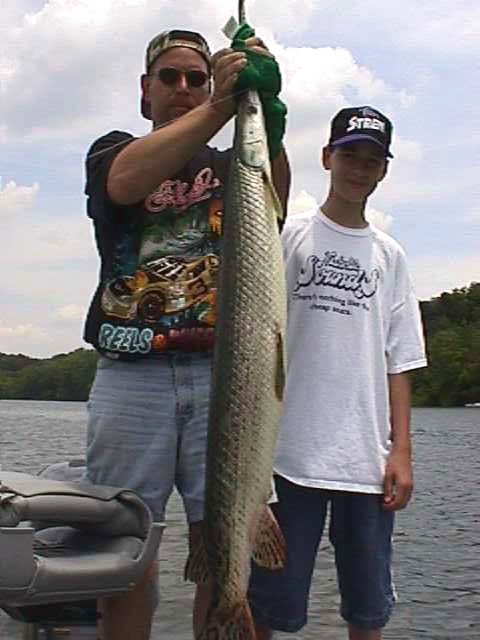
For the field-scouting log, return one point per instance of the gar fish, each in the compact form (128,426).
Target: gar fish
(247,388)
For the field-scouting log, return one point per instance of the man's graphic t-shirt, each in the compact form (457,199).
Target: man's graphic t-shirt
(159,257)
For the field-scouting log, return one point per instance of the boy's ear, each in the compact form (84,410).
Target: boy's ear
(326,154)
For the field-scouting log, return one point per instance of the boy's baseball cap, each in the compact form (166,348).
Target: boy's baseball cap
(361,123)
(167,40)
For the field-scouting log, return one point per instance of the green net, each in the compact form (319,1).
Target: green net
(262,73)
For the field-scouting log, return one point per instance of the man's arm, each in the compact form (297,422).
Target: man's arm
(398,482)
(281,177)
(146,162)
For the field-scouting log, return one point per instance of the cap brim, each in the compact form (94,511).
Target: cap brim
(360,136)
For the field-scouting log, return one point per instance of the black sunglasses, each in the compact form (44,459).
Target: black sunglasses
(170,76)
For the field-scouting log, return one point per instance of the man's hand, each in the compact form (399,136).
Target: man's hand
(398,482)
(257,44)
(227,65)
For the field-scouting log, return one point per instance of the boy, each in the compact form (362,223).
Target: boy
(354,331)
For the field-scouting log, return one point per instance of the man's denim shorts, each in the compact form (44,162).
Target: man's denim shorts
(147,428)
(360,531)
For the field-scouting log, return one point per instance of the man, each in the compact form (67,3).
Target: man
(354,332)
(156,204)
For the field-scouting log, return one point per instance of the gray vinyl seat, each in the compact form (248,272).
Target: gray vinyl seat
(67,541)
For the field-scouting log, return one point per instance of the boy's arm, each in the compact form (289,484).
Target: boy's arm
(398,482)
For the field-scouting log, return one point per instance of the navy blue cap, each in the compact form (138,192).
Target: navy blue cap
(361,123)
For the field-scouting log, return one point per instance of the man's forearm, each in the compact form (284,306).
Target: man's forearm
(147,162)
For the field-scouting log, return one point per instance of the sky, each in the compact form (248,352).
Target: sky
(69,72)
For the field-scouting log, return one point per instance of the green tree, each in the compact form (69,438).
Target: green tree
(63,377)
(447,353)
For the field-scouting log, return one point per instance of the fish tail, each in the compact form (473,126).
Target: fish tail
(234,624)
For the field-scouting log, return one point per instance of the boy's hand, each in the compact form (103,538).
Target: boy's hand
(398,481)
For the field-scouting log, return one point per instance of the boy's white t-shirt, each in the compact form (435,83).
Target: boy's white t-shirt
(353,318)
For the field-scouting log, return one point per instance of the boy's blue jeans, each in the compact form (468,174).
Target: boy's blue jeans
(360,531)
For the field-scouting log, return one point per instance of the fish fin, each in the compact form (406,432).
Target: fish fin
(269,549)
(196,567)
(234,624)
(271,198)
(280,367)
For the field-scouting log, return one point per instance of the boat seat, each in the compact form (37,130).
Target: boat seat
(66,541)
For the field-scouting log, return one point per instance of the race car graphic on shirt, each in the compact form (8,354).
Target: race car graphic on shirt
(165,286)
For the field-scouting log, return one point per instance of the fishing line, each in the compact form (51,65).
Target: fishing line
(201,107)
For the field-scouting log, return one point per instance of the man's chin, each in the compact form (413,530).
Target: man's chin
(176,112)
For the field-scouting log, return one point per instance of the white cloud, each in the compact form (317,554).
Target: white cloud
(291,16)
(22,331)
(87,59)
(438,27)
(15,198)
(54,256)
(435,274)
(39,342)
(429,183)
(436,22)
(55,84)
(48,242)
(472,216)
(408,152)
(302,202)
(71,312)
(378,218)
(331,73)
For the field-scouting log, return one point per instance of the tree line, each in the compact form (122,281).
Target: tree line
(452,331)
(63,377)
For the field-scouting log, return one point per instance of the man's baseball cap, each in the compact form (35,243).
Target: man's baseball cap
(361,123)
(167,40)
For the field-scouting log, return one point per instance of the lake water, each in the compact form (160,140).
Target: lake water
(437,538)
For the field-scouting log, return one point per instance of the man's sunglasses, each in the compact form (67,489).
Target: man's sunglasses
(170,76)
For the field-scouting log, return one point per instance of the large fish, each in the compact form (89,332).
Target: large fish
(247,388)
